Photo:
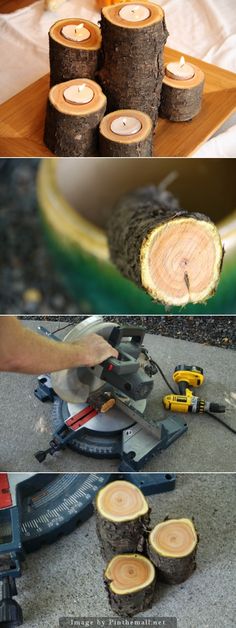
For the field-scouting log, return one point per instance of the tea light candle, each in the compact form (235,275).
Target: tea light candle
(182,89)
(75,32)
(126,125)
(180,71)
(78,94)
(134,13)
(74,112)
(126,133)
(74,47)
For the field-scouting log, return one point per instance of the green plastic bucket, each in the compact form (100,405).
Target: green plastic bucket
(75,199)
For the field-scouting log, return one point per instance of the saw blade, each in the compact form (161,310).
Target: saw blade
(76,384)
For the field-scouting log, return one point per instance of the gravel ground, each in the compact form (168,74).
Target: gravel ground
(217,331)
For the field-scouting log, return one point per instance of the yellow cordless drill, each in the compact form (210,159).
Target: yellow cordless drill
(187,378)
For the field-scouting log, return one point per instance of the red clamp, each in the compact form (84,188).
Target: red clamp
(79,419)
(5,494)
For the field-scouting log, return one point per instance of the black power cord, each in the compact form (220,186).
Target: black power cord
(156,366)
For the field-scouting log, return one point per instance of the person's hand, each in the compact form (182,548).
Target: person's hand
(93,349)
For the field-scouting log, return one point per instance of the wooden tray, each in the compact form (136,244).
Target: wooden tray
(22,117)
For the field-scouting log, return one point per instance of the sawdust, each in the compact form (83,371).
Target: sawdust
(41,426)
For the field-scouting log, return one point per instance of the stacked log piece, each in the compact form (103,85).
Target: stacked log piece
(69,57)
(132,59)
(122,519)
(126,144)
(72,128)
(172,547)
(174,255)
(130,582)
(182,100)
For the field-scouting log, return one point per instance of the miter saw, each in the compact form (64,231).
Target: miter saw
(38,508)
(100,411)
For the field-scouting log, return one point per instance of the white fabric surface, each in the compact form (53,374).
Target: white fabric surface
(203,28)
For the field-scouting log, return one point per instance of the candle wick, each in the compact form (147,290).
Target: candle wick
(124,121)
(81,87)
(78,28)
(182,62)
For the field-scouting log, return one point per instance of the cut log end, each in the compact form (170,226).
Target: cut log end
(112,13)
(121,501)
(129,573)
(174,538)
(181,261)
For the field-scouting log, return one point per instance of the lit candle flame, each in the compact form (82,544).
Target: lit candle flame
(81,87)
(78,28)
(182,61)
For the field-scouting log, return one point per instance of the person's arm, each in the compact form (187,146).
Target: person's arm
(25,351)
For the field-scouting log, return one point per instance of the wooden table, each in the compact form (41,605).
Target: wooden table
(8,6)
(22,117)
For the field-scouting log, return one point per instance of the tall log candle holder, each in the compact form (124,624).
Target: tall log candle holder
(74,47)
(172,547)
(133,38)
(74,111)
(126,133)
(175,255)
(130,583)
(182,89)
(122,519)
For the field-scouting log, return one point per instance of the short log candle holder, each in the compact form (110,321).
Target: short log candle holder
(74,46)
(122,519)
(130,583)
(182,89)
(172,547)
(175,255)
(126,133)
(74,111)
(133,38)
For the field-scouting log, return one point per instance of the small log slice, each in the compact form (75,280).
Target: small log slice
(73,59)
(71,129)
(176,256)
(172,547)
(182,100)
(122,519)
(130,583)
(137,145)
(132,59)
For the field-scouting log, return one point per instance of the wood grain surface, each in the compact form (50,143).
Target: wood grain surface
(8,6)
(22,117)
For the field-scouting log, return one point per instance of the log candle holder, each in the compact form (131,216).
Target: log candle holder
(122,518)
(175,255)
(74,46)
(172,547)
(74,111)
(130,583)
(182,89)
(126,133)
(132,51)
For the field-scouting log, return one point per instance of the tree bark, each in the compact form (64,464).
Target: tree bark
(174,565)
(69,59)
(137,145)
(133,591)
(122,519)
(182,100)
(176,256)
(132,61)
(73,130)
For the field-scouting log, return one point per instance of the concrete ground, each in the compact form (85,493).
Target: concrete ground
(65,579)
(207,445)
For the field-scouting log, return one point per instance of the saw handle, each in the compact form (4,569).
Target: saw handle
(119,333)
